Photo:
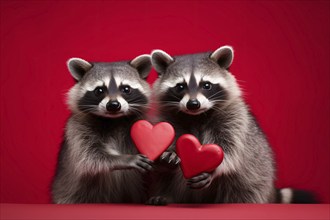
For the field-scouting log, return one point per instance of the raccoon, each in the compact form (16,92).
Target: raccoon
(98,162)
(198,95)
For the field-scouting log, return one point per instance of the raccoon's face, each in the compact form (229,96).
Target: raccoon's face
(109,90)
(196,83)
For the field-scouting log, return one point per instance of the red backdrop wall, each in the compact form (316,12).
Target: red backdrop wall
(281,61)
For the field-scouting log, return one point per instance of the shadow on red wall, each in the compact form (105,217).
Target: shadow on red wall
(281,62)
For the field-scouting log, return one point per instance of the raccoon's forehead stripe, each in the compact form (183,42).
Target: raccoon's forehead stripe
(193,77)
(112,86)
(193,85)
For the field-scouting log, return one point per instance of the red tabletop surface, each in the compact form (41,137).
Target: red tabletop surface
(174,211)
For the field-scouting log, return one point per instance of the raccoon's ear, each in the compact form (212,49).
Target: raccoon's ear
(223,56)
(78,67)
(143,65)
(160,60)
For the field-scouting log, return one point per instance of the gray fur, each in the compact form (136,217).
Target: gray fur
(247,173)
(98,162)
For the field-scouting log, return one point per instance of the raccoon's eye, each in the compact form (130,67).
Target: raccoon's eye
(125,89)
(207,85)
(180,87)
(99,91)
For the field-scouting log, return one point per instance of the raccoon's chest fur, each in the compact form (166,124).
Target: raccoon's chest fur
(211,127)
(236,131)
(105,136)
(112,136)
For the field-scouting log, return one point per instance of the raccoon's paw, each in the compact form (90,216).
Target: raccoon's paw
(200,181)
(157,200)
(141,163)
(170,158)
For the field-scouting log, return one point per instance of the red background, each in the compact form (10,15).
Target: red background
(281,62)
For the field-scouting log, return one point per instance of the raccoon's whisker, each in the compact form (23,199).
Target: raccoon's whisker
(89,105)
(150,108)
(166,106)
(84,112)
(175,96)
(219,109)
(240,81)
(136,111)
(87,109)
(166,109)
(170,106)
(89,99)
(177,99)
(137,102)
(144,106)
(219,92)
(228,114)
(217,100)
(166,102)
(138,99)
(133,104)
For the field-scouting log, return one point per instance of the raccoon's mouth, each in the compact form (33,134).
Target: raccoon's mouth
(113,114)
(195,112)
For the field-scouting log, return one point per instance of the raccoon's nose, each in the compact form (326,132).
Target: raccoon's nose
(193,104)
(113,106)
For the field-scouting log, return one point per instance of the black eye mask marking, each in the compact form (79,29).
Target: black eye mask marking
(90,100)
(214,93)
(135,97)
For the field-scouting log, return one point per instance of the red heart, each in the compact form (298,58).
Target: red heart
(150,140)
(197,158)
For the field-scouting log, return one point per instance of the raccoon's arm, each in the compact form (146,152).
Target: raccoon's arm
(232,147)
(139,162)
(94,159)
(230,164)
